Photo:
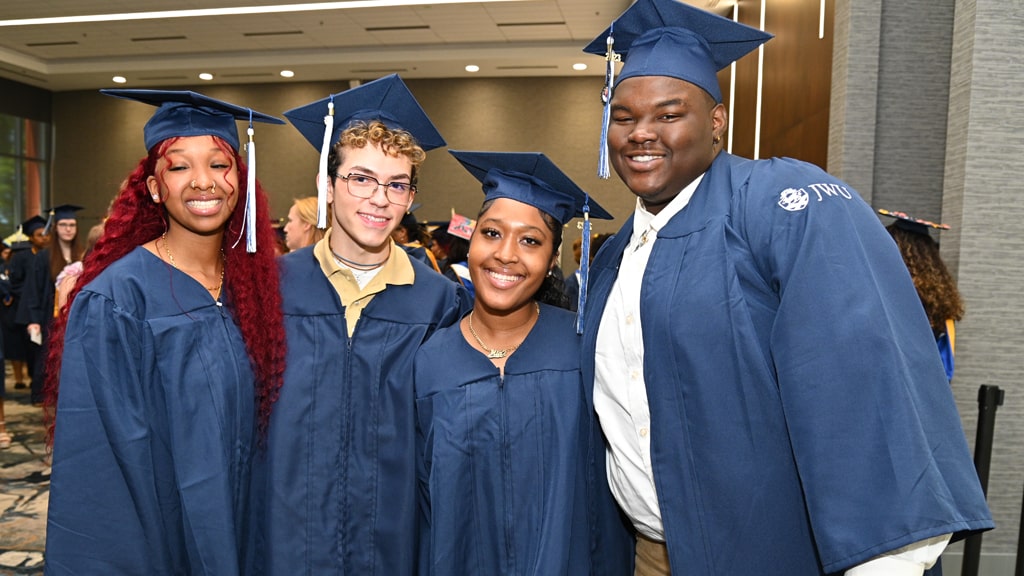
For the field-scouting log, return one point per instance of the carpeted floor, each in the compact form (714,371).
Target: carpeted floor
(24,487)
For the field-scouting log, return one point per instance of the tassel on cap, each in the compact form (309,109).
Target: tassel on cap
(249,214)
(584,266)
(250,194)
(49,224)
(611,57)
(321,181)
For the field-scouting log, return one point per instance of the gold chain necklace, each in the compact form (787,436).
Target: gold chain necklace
(170,257)
(496,353)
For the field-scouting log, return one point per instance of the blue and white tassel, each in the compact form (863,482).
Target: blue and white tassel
(584,265)
(610,58)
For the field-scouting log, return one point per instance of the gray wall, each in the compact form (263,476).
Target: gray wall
(928,104)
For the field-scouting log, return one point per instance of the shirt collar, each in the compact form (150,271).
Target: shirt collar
(644,220)
(396,271)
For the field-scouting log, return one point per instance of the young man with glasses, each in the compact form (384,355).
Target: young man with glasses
(338,482)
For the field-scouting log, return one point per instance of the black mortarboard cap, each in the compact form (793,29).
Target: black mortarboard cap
(907,222)
(670,38)
(187,113)
(32,224)
(531,178)
(64,212)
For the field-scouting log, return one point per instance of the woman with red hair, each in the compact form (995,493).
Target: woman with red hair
(167,358)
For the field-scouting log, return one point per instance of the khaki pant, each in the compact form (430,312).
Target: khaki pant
(651,558)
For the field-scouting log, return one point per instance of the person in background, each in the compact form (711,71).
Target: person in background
(456,269)
(39,296)
(67,277)
(439,242)
(765,379)
(412,238)
(935,285)
(5,291)
(338,480)
(300,230)
(511,456)
(20,349)
(167,361)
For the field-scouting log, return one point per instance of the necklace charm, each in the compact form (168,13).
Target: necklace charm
(495,353)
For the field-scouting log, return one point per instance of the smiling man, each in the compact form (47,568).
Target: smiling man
(763,371)
(339,474)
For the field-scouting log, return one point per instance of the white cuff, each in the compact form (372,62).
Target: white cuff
(910,560)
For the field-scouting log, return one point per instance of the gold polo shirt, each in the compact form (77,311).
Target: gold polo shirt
(397,270)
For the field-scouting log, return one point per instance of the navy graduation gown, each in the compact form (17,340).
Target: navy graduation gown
(155,430)
(801,420)
(339,474)
(512,472)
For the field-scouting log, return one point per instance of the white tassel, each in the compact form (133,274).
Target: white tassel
(250,198)
(603,170)
(321,181)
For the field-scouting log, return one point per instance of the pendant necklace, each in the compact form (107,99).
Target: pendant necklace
(496,353)
(170,258)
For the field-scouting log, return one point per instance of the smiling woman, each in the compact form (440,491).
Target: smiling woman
(167,359)
(500,400)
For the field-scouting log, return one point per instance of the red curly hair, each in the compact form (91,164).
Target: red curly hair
(256,306)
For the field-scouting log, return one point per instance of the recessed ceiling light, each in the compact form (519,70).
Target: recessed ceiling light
(472,68)
(287,73)
(206,76)
(119,79)
(579,66)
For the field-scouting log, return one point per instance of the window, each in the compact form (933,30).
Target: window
(24,169)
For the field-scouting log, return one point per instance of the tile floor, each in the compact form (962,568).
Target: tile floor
(24,487)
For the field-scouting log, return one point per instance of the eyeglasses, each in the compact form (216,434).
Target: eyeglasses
(363,186)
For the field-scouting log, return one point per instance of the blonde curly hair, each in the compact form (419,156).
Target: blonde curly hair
(391,142)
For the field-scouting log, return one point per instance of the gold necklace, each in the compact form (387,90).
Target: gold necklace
(170,257)
(496,353)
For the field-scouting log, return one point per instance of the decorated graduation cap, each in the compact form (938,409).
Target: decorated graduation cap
(907,222)
(531,178)
(669,38)
(386,99)
(183,113)
(58,213)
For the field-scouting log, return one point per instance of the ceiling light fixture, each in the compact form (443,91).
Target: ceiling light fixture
(472,68)
(237,10)
(205,76)
(119,79)
(287,73)
(579,66)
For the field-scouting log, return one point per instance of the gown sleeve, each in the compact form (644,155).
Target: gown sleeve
(876,435)
(106,513)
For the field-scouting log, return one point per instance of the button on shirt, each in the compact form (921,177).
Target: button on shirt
(620,393)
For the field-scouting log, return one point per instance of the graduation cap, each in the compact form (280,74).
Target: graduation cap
(386,99)
(32,224)
(669,38)
(58,213)
(531,178)
(907,222)
(183,113)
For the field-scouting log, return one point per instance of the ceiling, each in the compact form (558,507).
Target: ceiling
(504,38)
